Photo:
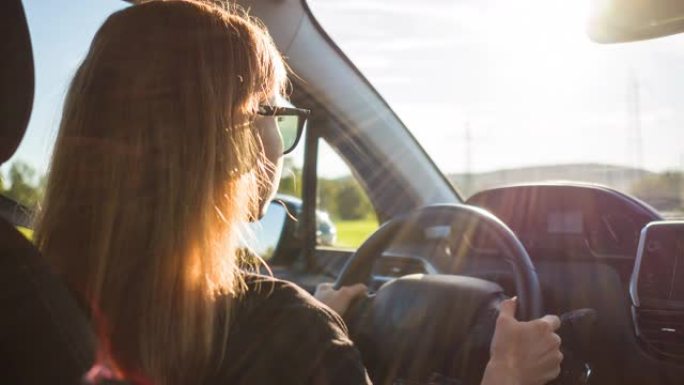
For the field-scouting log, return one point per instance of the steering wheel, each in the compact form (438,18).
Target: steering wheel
(418,320)
(456,216)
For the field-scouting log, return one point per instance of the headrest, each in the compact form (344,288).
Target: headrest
(16,76)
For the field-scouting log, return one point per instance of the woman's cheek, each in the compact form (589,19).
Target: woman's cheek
(273,150)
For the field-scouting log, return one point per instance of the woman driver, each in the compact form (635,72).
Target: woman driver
(167,145)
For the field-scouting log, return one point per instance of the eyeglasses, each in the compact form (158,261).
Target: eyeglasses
(290,123)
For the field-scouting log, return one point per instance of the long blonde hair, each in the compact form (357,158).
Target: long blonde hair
(154,170)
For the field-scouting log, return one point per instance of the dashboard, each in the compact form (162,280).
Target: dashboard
(570,220)
(555,222)
(584,242)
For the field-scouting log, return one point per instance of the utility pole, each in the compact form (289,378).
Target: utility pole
(681,179)
(634,128)
(468,159)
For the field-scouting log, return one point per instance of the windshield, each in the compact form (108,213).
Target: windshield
(502,92)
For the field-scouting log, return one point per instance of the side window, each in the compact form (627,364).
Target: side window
(61,33)
(344,214)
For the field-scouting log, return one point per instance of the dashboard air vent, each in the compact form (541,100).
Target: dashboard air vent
(662,332)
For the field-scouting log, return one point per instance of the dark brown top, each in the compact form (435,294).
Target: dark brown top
(281,335)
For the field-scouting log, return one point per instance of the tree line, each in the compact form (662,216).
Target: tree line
(342,198)
(23,184)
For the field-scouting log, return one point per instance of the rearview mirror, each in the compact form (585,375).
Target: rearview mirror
(617,21)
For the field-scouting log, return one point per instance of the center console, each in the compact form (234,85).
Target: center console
(657,290)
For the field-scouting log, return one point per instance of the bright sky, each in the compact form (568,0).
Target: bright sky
(521,74)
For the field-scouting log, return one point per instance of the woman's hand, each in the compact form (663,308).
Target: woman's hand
(523,353)
(339,300)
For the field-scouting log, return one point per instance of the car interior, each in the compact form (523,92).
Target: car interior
(437,267)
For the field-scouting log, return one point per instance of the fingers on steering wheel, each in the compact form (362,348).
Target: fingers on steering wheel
(552,321)
(357,289)
(324,286)
(551,363)
(507,307)
(551,344)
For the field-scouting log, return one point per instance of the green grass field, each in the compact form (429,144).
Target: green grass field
(353,233)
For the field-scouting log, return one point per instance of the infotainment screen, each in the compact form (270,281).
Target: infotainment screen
(659,270)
